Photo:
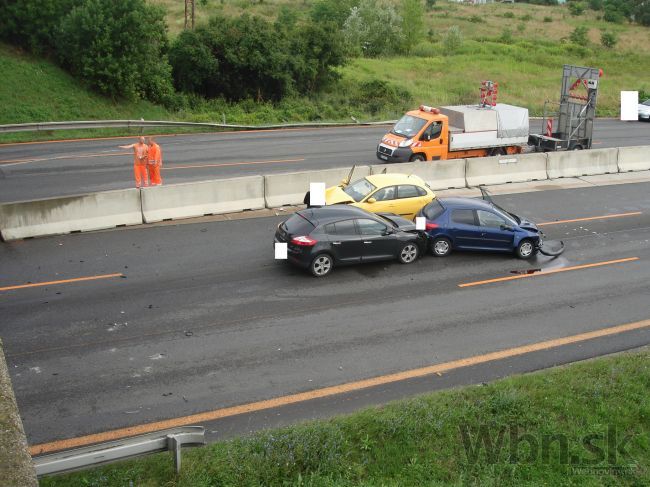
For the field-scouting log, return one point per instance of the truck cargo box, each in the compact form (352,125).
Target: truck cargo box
(474,127)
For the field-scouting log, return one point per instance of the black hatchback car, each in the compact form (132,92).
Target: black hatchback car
(320,238)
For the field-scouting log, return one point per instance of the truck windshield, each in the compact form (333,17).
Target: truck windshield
(359,189)
(408,126)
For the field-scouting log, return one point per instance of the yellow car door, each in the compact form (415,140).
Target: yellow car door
(409,201)
(381,201)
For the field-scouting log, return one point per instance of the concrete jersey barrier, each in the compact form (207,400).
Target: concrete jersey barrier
(516,168)
(15,461)
(65,214)
(634,158)
(582,163)
(187,200)
(437,174)
(290,188)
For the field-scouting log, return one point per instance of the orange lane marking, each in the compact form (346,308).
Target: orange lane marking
(330,391)
(64,281)
(232,164)
(545,273)
(297,129)
(601,217)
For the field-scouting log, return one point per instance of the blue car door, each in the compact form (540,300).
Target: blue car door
(496,232)
(464,229)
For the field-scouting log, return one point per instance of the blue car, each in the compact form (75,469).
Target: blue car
(474,224)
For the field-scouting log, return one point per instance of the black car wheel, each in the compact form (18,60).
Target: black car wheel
(526,249)
(409,253)
(441,247)
(321,265)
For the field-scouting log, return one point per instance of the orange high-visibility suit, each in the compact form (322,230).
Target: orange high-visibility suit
(155,163)
(140,157)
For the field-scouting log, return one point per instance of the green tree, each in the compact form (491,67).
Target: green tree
(373,28)
(412,23)
(118,48)
(32,23)
(336,11)
(250,57)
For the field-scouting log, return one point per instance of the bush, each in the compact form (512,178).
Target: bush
(521,28)
(425,49)
(596,4)
(32,23)
(548,19)
(249,57)
(509,15)
(527,17)
(608,39)
(430,4)
(612,14)
(506,36)
(372,29)
(579,35)
(117,48)
(453,40)
(576,8)
(476,19)
(374,95)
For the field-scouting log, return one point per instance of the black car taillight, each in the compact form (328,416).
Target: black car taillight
(304,241)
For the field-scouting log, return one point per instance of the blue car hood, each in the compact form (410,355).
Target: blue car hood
(527,225)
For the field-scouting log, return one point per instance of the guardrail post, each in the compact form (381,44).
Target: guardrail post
(174,446)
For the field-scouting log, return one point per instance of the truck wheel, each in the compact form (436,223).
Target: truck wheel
(417,157)
(578,147)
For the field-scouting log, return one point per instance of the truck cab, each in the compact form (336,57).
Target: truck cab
(420,135)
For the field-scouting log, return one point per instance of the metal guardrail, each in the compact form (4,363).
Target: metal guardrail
(97,124)
(91,456)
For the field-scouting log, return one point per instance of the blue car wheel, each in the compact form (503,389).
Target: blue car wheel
(441,246)
(526,249)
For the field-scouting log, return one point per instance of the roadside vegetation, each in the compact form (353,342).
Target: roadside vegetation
(583,424)
(275,61)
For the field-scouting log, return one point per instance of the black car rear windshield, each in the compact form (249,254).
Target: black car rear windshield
(433,210)
(298,225)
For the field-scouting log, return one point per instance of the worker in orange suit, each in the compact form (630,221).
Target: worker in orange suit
(140,159)
(155,163)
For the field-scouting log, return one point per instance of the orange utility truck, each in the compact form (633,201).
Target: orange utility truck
(430,134)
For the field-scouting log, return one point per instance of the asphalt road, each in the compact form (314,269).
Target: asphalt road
(31,171)
(204,318)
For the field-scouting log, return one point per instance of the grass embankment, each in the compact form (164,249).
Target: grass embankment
(521,46)
(584,424)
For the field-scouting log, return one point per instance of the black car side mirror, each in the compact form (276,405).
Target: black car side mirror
(388,231)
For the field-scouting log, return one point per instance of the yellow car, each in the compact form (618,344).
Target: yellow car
(401,194)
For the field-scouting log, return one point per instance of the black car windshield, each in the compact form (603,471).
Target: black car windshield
(359,189)
(408,126)
(298,225)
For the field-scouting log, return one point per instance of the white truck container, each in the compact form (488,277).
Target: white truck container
(474,127)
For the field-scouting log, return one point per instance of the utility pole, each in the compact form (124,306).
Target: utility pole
(189,14)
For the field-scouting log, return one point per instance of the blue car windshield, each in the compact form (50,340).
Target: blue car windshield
(507,214)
